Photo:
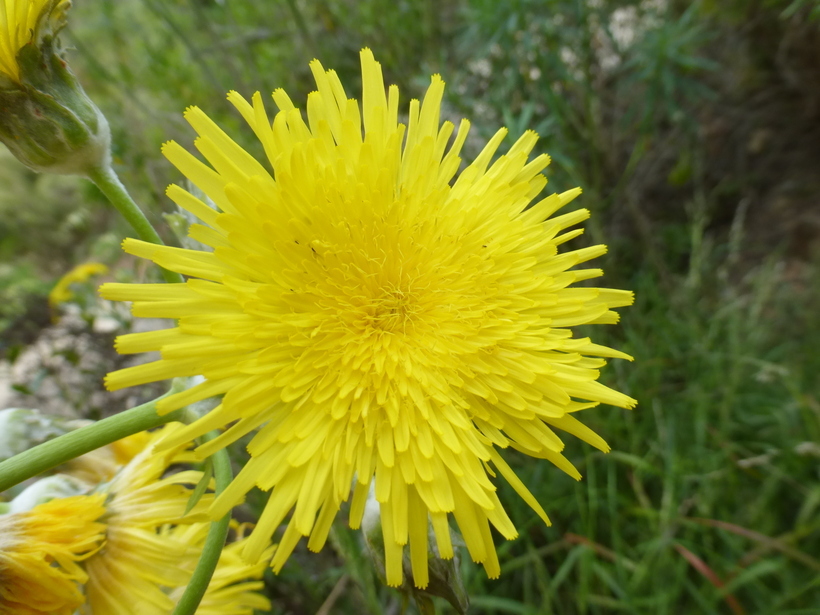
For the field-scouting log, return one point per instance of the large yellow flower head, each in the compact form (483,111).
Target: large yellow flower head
(21,22)
(382,320)
(39,554)
(139,563)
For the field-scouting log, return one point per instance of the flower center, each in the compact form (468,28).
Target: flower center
(391,311)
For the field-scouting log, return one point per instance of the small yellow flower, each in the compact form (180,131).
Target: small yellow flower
(21,23)
(39,554)
(61,293)
(381,319)
(138,563)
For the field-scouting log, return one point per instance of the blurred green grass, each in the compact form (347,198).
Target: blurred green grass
(709,502)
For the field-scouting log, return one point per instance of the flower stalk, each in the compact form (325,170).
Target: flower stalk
(215,541)
(106,179)
(45,456)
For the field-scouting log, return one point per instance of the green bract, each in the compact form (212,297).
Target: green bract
(47,120)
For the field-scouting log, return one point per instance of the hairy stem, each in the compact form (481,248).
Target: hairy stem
(107,181)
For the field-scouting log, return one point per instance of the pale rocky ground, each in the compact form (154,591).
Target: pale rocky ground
(62,372)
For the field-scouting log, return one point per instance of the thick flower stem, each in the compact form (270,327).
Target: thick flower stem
(49,454)
(214,542)
(107,181)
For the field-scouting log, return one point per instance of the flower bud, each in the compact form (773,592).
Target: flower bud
(46,119)
(445,576)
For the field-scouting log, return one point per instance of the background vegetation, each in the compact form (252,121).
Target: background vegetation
(694,129)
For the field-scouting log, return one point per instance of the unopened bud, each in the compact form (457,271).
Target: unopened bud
(46,119)
(444,574)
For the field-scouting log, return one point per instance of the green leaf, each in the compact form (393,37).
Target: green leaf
(753,573)
(202,485)
(505,605)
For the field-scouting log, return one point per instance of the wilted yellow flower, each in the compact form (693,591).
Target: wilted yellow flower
(39,554)
(139,563)
(151,549)
(377,317)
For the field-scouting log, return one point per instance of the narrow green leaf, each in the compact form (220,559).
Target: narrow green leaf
(505,605)
(566,567)
(201,486)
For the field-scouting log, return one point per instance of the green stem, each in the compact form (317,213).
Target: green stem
(215,541)
(49,454)
(107,181)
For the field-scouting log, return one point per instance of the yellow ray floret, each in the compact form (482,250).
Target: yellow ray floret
(40,551)
(379,319)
